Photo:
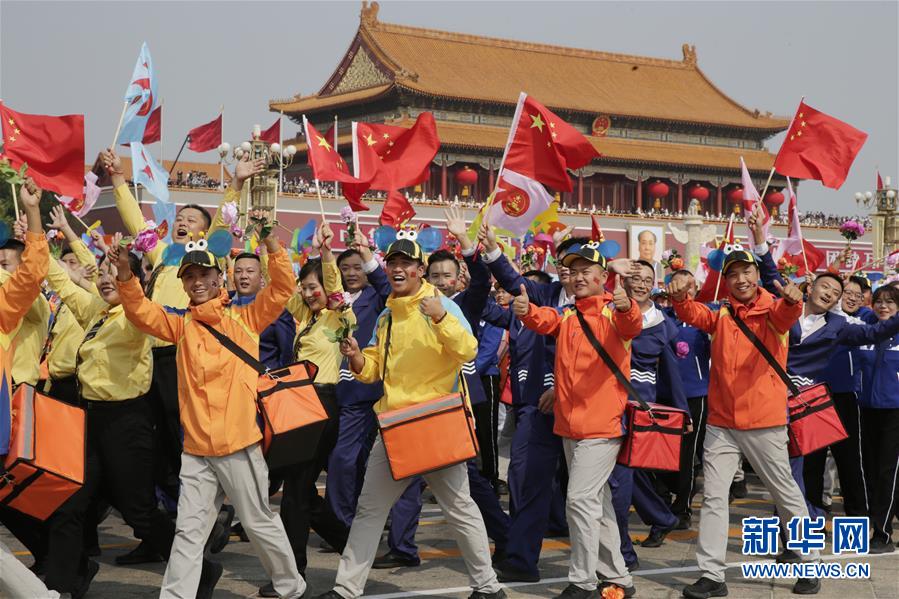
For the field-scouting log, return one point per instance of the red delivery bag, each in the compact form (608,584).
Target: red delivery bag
(653,438)
(45,464)
(814,422)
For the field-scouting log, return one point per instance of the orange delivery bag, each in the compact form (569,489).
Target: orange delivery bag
(428,436)
(45,464)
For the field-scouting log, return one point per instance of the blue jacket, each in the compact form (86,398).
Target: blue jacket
(489,339)
(843,374)
(531,356)
(808,359)
(367,307)
(694,367)
(472,301)
(880,374)
(655,373)
(276,341)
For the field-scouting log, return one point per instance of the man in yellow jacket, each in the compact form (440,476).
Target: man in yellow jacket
(217,402)
(418,348)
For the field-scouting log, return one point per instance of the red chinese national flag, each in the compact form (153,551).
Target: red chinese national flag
(272,135)
(819,146)
(395,157)
(595,231)
(328,165)
(51,146)
(206,137)
(397,210)
(543,146)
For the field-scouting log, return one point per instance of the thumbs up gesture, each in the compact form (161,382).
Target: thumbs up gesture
(791,293)
(521,304)
(619,296)
(432,307)
(678,288)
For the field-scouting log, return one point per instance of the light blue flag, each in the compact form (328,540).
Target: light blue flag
(147,172)
(141,97)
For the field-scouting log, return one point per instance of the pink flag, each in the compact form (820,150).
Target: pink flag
(751,197)
(793,243)
(80,207)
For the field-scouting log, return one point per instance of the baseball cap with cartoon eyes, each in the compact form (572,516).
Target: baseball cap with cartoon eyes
(589,252)
(197,252)
(735,253)
(405,245)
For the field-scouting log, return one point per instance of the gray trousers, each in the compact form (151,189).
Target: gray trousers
(205,481)
(595,542)
(766,450)
(17,581)
(380,492)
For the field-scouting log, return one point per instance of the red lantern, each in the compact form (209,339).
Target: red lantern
(657,189)
(699,193)
(775,198)
(735,195)
(467,176)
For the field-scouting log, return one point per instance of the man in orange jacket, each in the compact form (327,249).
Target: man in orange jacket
(217,401)
(747,408)
(588,408)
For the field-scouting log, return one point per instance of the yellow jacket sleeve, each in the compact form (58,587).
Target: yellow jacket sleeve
(269,302)
(148,316)
(85,256)
(457,341)
(19,292)
(83,304)
(371,369)
(134,220)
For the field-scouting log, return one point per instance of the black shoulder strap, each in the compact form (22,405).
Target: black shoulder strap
(387,346)
(234,348)
(609,362)
(764,351)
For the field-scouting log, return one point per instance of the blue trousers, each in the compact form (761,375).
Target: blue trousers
(535,457)
(406,511)
(630,486)
(346,465)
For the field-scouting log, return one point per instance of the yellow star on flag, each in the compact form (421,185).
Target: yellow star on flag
(12,122)
(555,135)
(386,136)
(323,143)
(16,131)
(11,138)
(370,140)
(537,122)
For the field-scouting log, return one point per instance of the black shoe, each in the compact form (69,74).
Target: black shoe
(39,567)
(807,586)
(267,590)
(325,547)
(500,594)
(391,560)
(238,531)
(221,531)
(92,551)
(705,588)
(738,489)
(631,566)
(572,591)
(209,577)
(329,595)
(878,547)
(142,554)
(501,487)
(507,574)
(788,557)
(628,591)
(499,556)
(656,537)
(683,522)
(85,582)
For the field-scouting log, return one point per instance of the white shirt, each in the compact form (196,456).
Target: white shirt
(652,317)
(810,323)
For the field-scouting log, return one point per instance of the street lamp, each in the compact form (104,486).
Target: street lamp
(885,218)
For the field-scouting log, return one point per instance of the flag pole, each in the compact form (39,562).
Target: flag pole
(161,161)
(515,118)
(15,199)
(184,143)
(321,206)
(221,141)
(118,128)
(727,232)
(281,158)
(767,183)
(336,183)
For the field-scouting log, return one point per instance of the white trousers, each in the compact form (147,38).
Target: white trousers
(17,581)
(766,450)
(593,529)
(380,492)
(205,481)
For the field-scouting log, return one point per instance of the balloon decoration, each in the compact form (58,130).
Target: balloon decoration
(609,248)
(5,233)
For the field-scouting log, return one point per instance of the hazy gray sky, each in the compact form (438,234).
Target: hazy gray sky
(76,57)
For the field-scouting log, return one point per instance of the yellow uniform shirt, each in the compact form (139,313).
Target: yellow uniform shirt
(164,286)
(311,342)
(66,333)
(29,341)
(113,359)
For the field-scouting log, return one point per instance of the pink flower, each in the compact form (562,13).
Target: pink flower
(229,213)
(683,349)
(146,240)
(852,230)
(347,215)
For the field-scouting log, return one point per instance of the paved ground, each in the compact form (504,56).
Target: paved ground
(662,574)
